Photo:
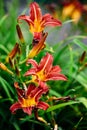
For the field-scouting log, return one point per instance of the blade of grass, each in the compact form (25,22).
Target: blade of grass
(80,44)
(3,19)
(5,86)
(52,108)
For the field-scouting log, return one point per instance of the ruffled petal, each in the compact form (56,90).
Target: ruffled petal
(42,105)
(15,106)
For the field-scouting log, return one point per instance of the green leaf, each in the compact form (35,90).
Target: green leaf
(5,86)
(53,92)
(52,108)
(4,49)
(3,19)
(6,99)
(83,100)
(80,44)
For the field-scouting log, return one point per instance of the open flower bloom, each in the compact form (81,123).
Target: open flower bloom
(73,10)
(29,99)
(44,71)
(37,22)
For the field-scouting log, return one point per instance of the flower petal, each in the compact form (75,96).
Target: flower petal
(31,71)
(31,87)
(46,16)
(43,86)
(26,18)
(15,106)
(35,12)
(28,110)
(52,22)
(42,105)
(49,20)
(46,63)
(56,69)
(37,93)
(33,62)
(20,92)
(55,76)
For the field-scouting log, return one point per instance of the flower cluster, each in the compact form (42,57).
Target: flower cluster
(31,91)
(73,9)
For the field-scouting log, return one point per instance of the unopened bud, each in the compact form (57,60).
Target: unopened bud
(82,57)
(13,52)
(3,67)
(17,71)
(20,35)
(11,63)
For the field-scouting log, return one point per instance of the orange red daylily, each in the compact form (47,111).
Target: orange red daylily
(72,9)
(44,71)
(37,22)
(28,100)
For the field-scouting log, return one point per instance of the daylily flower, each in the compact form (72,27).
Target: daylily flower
(28,100)
(38,47)
(37,22)
(73,9)
(44,71)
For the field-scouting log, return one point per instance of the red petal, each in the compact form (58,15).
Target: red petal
(56,69)
(20,92)
(42,105)
(46,63)
(55,76)
(35,11)
(26,18)
(43,86)
(33,62)
(37,93)
(28,110)
(52,22)
(32,71)
(46,16)
(49,20)
(15,106)
(31,87)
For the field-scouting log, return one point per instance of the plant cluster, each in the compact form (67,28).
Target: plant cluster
(35,73)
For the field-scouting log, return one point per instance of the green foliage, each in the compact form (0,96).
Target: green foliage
(71,115)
